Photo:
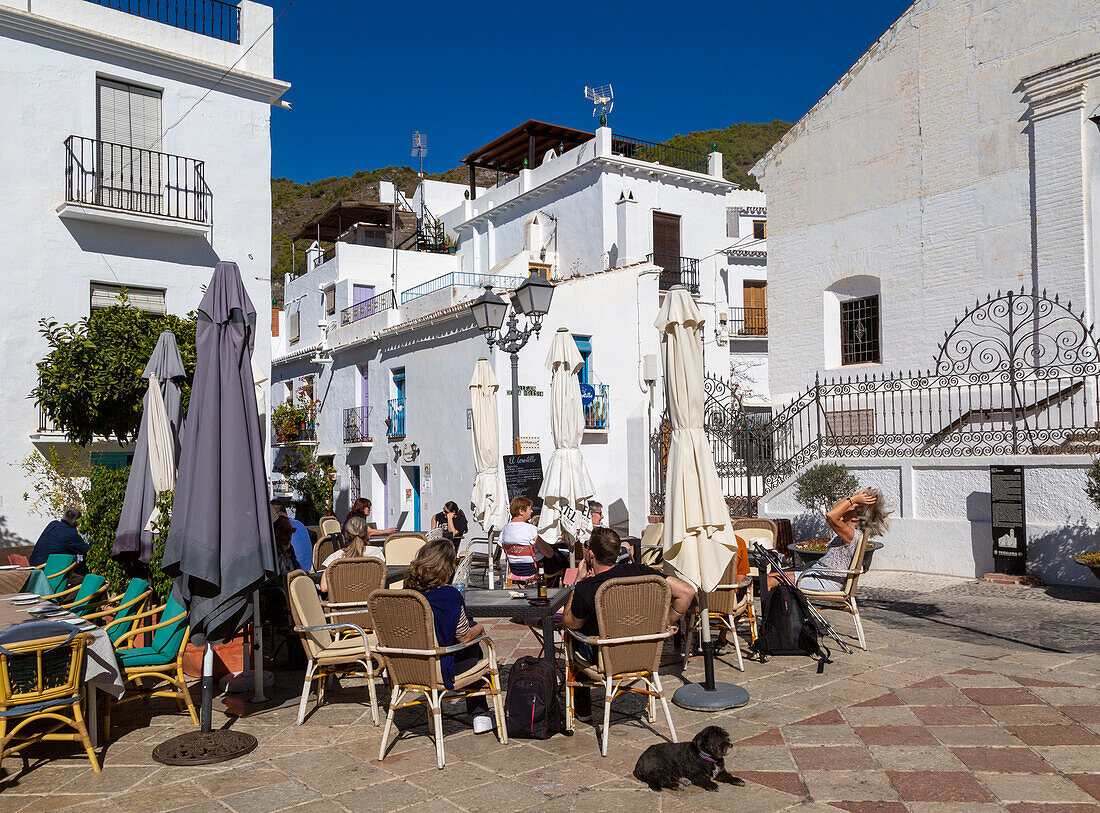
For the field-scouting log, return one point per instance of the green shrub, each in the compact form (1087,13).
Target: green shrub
(1092,483)
(820,486)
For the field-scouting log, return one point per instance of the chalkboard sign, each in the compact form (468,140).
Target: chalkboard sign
(523,474)
(1006,492)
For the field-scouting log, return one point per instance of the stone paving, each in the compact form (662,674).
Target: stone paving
(970,698)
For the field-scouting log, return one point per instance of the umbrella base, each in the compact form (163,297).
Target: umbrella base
(204,747)
(725,696)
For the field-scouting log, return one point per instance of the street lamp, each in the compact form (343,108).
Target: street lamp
(532,300)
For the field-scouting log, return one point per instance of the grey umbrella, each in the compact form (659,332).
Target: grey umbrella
(166,366)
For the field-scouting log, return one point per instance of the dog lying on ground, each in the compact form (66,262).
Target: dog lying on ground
(701,762)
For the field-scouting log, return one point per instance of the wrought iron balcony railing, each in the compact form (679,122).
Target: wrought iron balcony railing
(749,321)
(356,426)
(211,18)
(676,270)
(368,307)
(659,153)
(395,422)
(128,179)
(597,415)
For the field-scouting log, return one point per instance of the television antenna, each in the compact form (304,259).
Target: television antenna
(603,100)
(419,149)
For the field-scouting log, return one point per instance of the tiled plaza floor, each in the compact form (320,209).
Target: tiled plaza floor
(969,699)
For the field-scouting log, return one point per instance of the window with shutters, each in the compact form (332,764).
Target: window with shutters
(666,248)
(330,301)
(755,314)
(293,330)
(128,132)
(150,300)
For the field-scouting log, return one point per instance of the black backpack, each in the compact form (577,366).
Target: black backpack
(789,627)
(532,706)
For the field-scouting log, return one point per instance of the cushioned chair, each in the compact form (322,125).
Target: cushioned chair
(89,595)
(405,628)
(400,549)
(632,617)
(727,602)
(56,570)
(125,609)
(160,661)
(844,597)
(42,679)
(327,654)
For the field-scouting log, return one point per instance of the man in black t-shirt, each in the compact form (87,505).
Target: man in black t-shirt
(598,567)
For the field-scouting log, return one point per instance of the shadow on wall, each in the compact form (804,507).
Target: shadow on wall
(142,244)
(808,525)
(981,531)
(1050,555)
(618,517)
(10,539)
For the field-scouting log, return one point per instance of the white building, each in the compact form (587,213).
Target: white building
(955,159)
(136,154)
(611,221)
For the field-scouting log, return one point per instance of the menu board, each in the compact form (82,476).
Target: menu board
(523,474)
(1006,493)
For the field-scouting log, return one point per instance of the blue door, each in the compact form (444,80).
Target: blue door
(413,473)
(584,345)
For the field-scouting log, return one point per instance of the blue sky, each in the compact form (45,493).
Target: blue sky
(367,74)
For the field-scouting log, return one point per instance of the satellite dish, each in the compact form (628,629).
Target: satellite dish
(602,98)
(419,148)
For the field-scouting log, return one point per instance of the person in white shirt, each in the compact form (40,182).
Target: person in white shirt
(356,532)
(520,533)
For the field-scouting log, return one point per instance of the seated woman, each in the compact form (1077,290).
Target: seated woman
(361,508)
(430,574)
(355,545)
(525,548)
(864,510)
(453,522)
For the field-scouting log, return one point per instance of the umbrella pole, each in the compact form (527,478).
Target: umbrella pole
(207,713)
(709,695)
(489,566)
(258,675)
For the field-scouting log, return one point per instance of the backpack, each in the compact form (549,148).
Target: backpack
(789,627)
(532,705)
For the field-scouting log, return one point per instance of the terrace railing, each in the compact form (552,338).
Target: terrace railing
(461,279)
(356,425)
(597,415)
(749,321)
(676,270)
(655,153)
(128,179)
(211,18)
(368,307)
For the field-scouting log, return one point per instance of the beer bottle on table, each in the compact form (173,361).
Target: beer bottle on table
(541,581)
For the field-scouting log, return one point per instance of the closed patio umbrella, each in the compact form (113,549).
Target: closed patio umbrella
(698,538)
(489,499)
(566,481)
(220,549)
(155,452)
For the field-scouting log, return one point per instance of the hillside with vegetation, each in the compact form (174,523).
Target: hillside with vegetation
(294,204)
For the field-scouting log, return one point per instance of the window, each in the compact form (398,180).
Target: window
(733,221)
(354,484)
(759,230)
(293,330)
(755,297)
(330,301)
(150,300)
(859,336)
(584,345)
(128,130)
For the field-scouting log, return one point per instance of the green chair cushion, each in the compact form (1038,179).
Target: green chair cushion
(167,640)
(134,589)
(141,656)
(92,582)
(55,564)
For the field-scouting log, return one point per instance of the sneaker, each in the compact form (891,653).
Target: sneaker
(483,724)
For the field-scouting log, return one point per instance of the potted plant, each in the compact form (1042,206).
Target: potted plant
(450,245)
(1091,558)
(292,420)
(818,488)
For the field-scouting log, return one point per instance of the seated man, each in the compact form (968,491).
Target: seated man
(599,566)
(300,541)
(60,536)
(595,513)
(525,548)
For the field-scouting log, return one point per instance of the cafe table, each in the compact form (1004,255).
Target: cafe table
(101,670)
(12,579)
(481,603)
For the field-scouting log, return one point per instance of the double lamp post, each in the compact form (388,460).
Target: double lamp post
(531,300)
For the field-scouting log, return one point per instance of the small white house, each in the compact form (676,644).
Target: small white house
(136,155)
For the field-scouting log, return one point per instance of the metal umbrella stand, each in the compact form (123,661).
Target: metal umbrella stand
(698,540)
(220,549)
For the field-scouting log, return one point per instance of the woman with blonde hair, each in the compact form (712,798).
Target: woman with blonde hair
(355,545)
(430,575)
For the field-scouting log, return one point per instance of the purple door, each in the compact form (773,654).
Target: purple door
(364,394)
(360,294)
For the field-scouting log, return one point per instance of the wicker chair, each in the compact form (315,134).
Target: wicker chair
(632,615)
(56,570)
(401,548)
(407,643)
(327,654)
(124,609)
(89,594)
(324,548)
(42,676)
(727,602)
(350,581)
(434,534)
(845,597)
(330,526)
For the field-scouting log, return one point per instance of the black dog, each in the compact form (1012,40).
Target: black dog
(700,761)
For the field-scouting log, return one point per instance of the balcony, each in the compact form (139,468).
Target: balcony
(211,18)
(662,154)
(361,310)
(597,415)
(395,422)
(356,426)
(130,186)
(748,322)
(461,279)
(677,270)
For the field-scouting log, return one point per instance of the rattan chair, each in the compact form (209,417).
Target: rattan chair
(434,534)
(161,661)
(330,526)
(124,609)
(401,548)
(89,595)
(632,616)
(350,581)
(327,654)
(56,570)
(843,598)
(407,643)
(324,548)
(42,678)
(727,602)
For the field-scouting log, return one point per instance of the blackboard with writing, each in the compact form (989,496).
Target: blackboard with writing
(1006,492)
(523,474)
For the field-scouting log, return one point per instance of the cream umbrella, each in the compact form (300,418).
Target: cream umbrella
(489,499)
(698,539)
(566,482)
(162,448)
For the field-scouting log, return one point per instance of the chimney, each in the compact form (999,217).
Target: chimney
(275,322)
(627,234)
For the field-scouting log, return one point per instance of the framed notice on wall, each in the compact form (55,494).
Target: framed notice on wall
(1006,494)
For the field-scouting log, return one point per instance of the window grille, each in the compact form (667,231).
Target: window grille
(859,331)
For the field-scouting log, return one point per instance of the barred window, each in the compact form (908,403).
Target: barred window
(859,335)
